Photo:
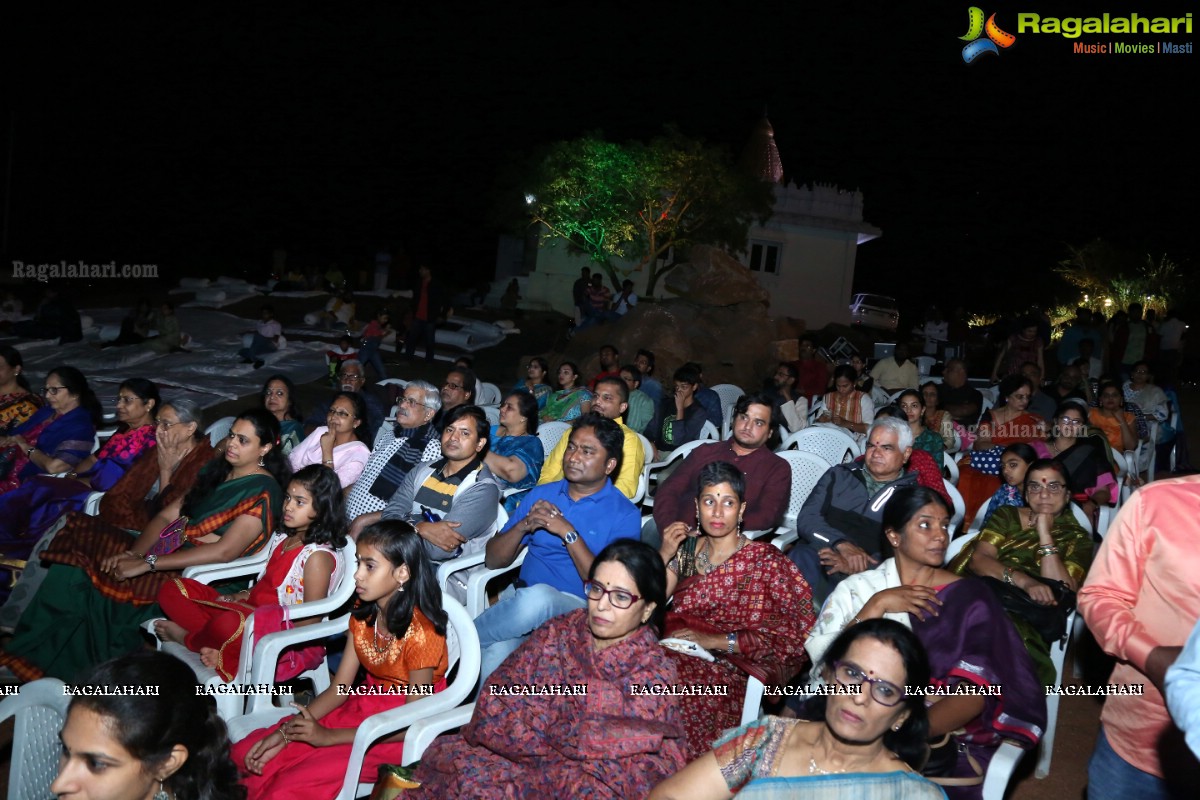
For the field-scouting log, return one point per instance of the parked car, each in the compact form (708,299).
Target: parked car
(874,311)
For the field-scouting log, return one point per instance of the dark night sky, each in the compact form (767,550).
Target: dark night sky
(207,138)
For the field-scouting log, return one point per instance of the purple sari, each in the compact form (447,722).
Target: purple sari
(972,641)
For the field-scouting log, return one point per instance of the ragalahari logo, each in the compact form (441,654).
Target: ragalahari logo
(976,27)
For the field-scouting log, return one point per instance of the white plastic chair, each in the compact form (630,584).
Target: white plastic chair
(652,468)
(219,430)
(833,445)
(960,506)
(477,579)
(1058,657)
(752,703)
(403,384)
(473,559)
(726,422)
(924,365)
(643,485)
(956,545)
(232,704)
(40,711)
(1000,770)
(492,413)
(950,466)
(807,469)
(728,393)
(462,642)
(550,433)
(709,432)
(489,395)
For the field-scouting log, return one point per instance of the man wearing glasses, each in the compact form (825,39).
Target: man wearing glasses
(397,450)
(564,524)
(351,378)
(458,390)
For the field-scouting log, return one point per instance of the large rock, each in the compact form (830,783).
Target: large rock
(713,278)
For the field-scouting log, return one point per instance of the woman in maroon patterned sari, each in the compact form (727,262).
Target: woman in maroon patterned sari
(615,741)
(742,601)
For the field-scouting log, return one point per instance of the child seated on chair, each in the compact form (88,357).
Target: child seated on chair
(303,565)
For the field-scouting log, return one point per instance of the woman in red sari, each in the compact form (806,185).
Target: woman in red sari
(1008,423)
(742,602)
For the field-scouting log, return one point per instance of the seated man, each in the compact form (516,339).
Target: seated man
(610,402)
(812,369)
(768,477)
(610,365)
(688,416)
(458,490)
(708,399)
(564,524)
(641,407)
(1040,403)
(896,372)
(840,524)
(350,378)
(963,403)
(458,390)
(397,450)
(791,404)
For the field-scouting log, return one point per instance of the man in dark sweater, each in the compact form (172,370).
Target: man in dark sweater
(768,477)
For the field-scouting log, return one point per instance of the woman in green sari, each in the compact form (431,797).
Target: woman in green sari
(571,401)
(1042,539)
(100,589)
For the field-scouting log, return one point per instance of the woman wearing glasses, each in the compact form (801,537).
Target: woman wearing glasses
(1008,423)
(58,436)
(28,510)
(742,601)
(338,444)
(1092,481)
(1043,539)
(963,628)
(863,744)
(516,454)
(614,741)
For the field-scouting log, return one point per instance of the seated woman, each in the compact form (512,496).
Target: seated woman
(937,419)
(1043,540)
(535,381)
(962,626)
(169,743)
(158,478)
(57,436)
(169,337)
(27,511)
(1092,481)
(1023,346)
(306,755)
(515,453)
(867,744)
(607,743)
(303,566)
(743,601)
(913,405)
(100,589)
(340,443)
(1118,425)
(571,401)
(279,397)
(863,380)
(846,406)
(1008,423)
(18,402)
(1014,463)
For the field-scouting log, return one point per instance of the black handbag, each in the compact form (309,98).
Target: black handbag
(1049,621)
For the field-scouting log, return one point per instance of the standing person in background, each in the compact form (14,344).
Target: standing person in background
(1170,349)
(1131,341)
(814,370)
(430,306)
(1025,345)
(372,337)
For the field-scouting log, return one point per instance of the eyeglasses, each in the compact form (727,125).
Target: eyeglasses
(166,426)
(122,400)
(453,385)
(1069,421)
(618,597)
(883,692)
(275,393)
(410,401)
(1053,488)
(352,376)
(337,412)
(52,390)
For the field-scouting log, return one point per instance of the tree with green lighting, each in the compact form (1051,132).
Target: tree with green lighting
(644,202)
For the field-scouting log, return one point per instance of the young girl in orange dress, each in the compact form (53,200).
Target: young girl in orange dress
(398,635)
(303,565)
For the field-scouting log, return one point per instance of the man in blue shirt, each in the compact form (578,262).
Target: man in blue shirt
(564,524)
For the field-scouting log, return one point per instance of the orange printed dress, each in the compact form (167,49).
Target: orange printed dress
(301,770)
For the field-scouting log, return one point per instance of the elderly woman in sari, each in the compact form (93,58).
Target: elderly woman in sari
(571,401)
(741,600)
(607,743)
(962,626)
(27,511)
(101,589)
(1091,480)
(158,478)
(1019,544)
(515,454)
(866,744)
(1008,423)
(57,436)
(17,400)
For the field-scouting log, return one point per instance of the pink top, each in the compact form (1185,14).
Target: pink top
(1143,591)
(348,459)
